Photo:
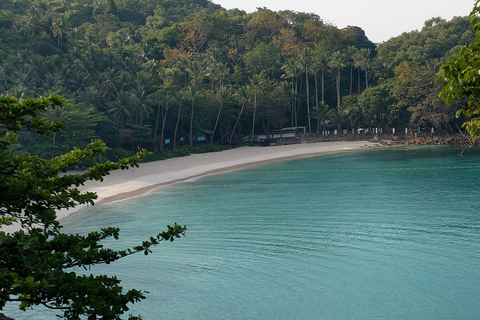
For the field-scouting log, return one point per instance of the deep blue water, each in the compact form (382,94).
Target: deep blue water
(376,234)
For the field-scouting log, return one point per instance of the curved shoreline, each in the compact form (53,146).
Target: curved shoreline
(121,185)
(125,184)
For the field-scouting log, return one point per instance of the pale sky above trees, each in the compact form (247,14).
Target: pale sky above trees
(380,19)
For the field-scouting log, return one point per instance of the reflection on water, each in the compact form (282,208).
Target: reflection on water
(376,234)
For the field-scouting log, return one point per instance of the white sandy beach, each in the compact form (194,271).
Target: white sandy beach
(124,184)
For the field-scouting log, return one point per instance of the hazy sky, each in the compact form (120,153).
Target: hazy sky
(380,19)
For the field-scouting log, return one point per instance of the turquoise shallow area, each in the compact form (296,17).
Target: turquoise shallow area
(375,234)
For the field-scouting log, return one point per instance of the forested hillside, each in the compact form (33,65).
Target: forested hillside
(159,74)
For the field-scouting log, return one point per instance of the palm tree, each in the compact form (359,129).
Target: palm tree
(255,82)
(357,63)
(178,98)
(24,76)
(305,60)
(108,81)
(196,69)
(432,65)
(320,58)
(34,20)
(222,93)
(223,72)
(321,112)
(58,29)
(243,97)
(350,57)
(120,109)
(211,61)
(51,81)
(340,112)
(291,70)
(89,95)
(55,114)
(7,68)
(364,62)
(123,80)
(163,102)
(337,62)
(182,63)
(142,107)
(353,109)
(192,94)
(174,75)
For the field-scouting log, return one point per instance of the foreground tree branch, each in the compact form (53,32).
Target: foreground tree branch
(37,261)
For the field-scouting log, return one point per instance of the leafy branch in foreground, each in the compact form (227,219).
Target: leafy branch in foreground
(461,79)
(37,262)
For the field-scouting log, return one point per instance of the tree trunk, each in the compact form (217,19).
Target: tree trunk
(338,87)
(176,127)
(156,129)
(295,105)
(323,85)
(366,79)
(358,79)
(351,79)
(308,101)
(191,124)
(216,122)
(254,114)
(162,135)
(236,123)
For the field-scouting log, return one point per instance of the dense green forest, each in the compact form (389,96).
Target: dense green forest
(161,74)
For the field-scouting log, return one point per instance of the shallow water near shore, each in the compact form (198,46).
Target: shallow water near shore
(375,234)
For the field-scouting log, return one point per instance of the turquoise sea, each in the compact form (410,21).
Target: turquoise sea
(391,233)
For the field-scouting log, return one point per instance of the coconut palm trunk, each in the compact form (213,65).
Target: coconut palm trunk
(242,95)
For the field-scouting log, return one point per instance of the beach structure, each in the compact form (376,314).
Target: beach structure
(285,135)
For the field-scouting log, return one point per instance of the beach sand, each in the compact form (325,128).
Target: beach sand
(124,184)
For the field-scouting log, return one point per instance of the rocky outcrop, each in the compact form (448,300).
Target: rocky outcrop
(406,141)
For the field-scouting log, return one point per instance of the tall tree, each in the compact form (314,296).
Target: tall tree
(321,57)
(352,51)
(304,58)
(163,101)
(196,70)
(58,30)
(141,102)
(243,97)
(192,93)
(321,112)
(291,70)
(179,97)
(256,82)
(221,94)
(364,61)
(120,109)
(337,62)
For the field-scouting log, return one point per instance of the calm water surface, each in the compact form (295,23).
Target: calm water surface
(375,234)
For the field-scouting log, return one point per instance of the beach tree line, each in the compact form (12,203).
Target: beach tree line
(162,74)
